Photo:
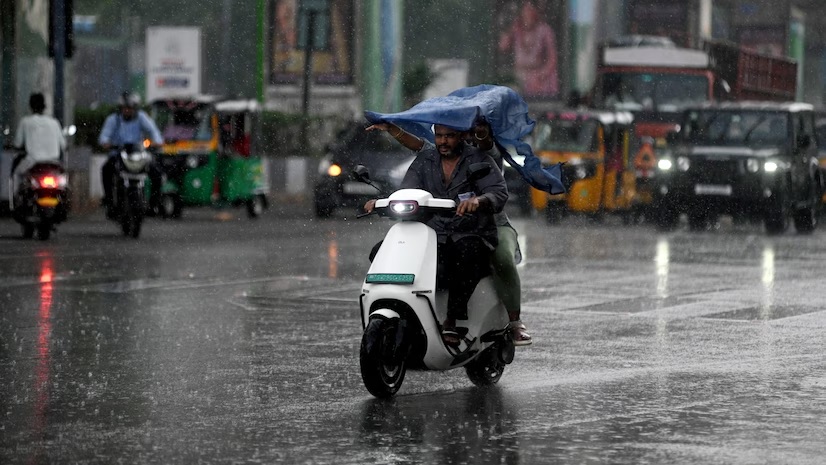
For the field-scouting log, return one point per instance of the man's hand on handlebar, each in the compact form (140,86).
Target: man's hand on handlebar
(369,206)
(467,206)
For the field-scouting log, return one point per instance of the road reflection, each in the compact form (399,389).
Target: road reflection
(42,375)
(477,425)
(768,282)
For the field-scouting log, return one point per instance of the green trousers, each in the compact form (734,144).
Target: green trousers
(505,277)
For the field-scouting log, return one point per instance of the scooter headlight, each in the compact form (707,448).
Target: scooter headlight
(403,207)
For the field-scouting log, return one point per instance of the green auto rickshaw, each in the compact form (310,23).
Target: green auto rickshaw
(210,155)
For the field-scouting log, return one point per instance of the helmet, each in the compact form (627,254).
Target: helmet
(128,99)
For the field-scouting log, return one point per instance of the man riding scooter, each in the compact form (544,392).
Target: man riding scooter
(466,240)
(129,126)
(506,277)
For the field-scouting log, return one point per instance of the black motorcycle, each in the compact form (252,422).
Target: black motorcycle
(40,201)
(128,205)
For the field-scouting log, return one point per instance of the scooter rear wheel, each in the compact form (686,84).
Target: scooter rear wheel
(381,376)
(487,368)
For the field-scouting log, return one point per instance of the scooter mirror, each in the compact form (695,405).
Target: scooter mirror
(361,173)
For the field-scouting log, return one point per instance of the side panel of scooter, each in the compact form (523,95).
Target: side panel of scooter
(485,312)
(408,248)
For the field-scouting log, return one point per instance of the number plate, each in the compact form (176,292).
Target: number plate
(359,188)
(712,189)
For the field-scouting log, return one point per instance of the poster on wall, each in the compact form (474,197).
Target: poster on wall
(332,57)
(173,62)
(528,35)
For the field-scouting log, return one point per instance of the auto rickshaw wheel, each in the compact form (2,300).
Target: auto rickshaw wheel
(256,206)
(171,206)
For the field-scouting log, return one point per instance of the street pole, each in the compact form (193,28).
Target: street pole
(308,68)
(59,43)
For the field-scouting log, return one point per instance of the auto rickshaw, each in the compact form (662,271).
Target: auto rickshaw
(210,155)
(598,174)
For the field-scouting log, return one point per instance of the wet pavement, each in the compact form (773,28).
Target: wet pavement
(217,339)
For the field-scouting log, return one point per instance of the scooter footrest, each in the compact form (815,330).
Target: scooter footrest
(492,336)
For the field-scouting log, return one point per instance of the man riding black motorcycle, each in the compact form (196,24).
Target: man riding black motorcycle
(39,137)
(126,127)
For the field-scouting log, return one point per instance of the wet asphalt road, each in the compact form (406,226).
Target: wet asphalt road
(223,340)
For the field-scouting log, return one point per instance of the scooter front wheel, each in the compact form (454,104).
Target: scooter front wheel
(381,375)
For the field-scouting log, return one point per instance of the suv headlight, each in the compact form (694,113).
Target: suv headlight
(665,164)
(752,165)
(772,166)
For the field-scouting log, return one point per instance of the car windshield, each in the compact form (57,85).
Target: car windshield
(565,135)
(183,121)
(726,127)
(652,91)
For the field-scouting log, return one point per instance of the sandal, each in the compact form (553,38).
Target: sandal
(450,338)
(519,333)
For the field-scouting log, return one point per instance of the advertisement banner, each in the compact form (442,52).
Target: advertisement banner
(528,39)
(173,62)
(332,57)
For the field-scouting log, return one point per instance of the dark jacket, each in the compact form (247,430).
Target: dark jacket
(426,173)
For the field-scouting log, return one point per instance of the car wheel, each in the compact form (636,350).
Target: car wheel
(805,220)
(776,217)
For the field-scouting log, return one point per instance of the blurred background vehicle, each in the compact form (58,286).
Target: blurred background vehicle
(754,160)
(386,159)
(594,147)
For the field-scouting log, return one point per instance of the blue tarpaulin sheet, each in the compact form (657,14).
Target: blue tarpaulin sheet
(501,107)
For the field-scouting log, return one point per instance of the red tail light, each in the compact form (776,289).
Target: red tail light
(48,182)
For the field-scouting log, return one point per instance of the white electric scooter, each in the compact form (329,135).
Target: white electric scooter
(401,307)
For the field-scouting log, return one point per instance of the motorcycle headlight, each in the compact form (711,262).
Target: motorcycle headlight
(135,162)
(683,163)
(752,165)
(665,164)
(334,170)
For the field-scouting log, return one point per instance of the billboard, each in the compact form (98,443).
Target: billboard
(332,58)
(528,41)
(173,62)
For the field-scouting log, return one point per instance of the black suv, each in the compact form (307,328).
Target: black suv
(753,160)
